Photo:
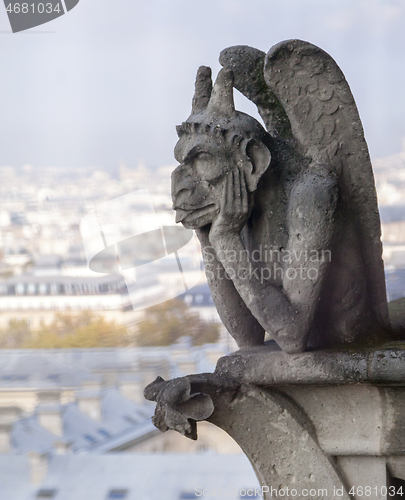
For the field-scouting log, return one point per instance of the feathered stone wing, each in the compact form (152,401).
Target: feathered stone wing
(303,95)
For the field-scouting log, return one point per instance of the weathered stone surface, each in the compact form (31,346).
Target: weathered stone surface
(267,366)
(349,419)
(328,437)
(366,475)
(177,408)
(396,466)
(289,227)
(273,432)
(287,218)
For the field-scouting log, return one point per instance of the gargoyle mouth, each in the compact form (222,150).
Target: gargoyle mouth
(189,215)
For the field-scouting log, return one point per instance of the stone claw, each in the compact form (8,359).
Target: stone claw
(178,408)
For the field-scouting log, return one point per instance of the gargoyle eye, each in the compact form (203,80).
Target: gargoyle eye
(204,156)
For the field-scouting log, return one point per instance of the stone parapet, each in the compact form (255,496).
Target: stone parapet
(269,366)
(324,424)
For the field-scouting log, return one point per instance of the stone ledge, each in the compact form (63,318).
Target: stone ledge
(266,366)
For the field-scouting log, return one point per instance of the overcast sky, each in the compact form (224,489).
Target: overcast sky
(111,79)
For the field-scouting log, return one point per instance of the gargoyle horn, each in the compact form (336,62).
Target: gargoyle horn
(203,89)
(221,103)
(218,101)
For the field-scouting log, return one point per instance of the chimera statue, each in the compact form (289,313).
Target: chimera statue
(287,218)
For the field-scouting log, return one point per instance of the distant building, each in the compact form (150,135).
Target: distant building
(394,232)
(127,477)
(395,279)
(394,256)
(200,300)
(35,299)
(91,400)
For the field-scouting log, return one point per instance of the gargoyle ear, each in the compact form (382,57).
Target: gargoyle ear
(259,156)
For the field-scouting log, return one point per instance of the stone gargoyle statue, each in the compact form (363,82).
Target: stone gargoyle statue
(290,232)
(287,218)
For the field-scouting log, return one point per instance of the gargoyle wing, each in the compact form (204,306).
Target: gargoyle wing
(247,65)
(301,93)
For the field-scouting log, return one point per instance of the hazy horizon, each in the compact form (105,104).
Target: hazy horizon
(110,80)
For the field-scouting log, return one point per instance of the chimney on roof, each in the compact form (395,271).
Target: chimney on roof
(88,397)
(92,383)
(62,447)
(49,412)
(89,403)
(48,397)
(38,464)
(131,387)
(8,415)
(5,437)
(150,369)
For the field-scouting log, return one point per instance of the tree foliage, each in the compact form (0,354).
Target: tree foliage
(162,325)
(167,322)
(15,335)
(65,332)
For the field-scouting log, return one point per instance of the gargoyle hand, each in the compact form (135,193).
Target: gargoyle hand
(234,210)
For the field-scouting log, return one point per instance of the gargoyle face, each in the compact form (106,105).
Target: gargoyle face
(205,160)
(215,139)
(198,182)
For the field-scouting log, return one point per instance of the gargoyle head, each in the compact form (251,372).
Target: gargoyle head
(213,140)
(178,407)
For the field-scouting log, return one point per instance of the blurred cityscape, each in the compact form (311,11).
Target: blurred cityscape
(73,421)
(389,175)
(43,265)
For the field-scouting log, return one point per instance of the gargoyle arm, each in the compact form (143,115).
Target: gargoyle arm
(287,314)
(235,315)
